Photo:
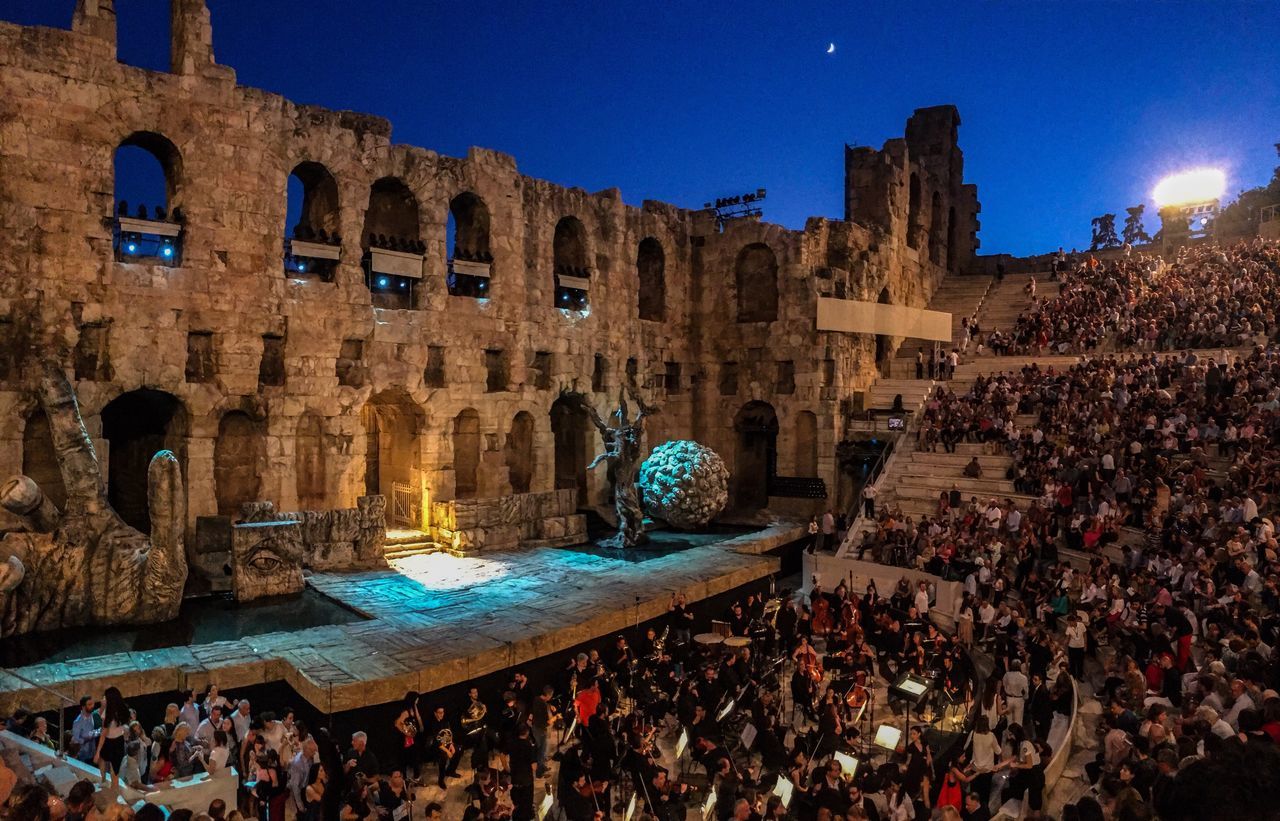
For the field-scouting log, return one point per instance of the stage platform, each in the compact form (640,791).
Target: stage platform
(430,621)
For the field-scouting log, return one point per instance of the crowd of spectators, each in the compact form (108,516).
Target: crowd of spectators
(1209,296)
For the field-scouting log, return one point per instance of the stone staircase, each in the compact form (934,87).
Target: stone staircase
(960,296)
(1008,298)
(401,544)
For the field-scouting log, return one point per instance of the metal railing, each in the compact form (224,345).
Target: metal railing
(1269,213)
(64,700)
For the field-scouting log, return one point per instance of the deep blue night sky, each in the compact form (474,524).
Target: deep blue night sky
(1070,108)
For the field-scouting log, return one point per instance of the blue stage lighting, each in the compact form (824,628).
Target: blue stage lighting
(382,282)
(167,252)
(132,248)
(302,266)
(404,285)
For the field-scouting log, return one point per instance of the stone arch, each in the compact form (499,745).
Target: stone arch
(884,342)
(756,276)
(466,454)
(309,462)
(468,229)
(951,238)
(571,429)
(755,454)
(806,444)
(312,205)
(570,259)
(239,460)
(913,211)
(521,461)
(935,228)
(392,213)
(569,248)
(40,461)
(651,266)
(392,424)
(147,169)
(137,425)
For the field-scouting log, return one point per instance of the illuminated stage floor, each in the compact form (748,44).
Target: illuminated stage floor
(433,620)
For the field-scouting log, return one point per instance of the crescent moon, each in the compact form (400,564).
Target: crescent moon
(831,48)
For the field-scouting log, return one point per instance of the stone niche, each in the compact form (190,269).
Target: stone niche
(266,559)
(546,519)
(343,539)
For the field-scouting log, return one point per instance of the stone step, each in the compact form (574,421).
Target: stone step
(941,463)
(905,489)
(403,550)
(939,480)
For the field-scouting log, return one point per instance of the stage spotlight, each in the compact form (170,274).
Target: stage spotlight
(167,250)
(302,265)
(888,737)
(131,247)
(382,282)
(404,284)
(1196,185)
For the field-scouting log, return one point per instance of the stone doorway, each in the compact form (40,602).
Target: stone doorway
(571,429)
(137,425)
(756,456)
(392,426)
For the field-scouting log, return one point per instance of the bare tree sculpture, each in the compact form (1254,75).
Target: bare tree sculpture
(85,565)
(622,451)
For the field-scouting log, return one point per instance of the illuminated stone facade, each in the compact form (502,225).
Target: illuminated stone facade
(310,382)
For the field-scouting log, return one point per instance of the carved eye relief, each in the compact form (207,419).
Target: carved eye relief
(264,560)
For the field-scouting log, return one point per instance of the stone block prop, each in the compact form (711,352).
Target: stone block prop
(519,520)
(266,559)
(342,539)
(685,484)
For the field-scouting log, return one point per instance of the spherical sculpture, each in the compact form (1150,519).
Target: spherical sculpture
(685,484)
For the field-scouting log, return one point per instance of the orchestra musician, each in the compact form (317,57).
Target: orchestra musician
(439,732)
(407,724)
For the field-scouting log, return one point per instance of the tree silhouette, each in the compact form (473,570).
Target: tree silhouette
(1104,232)
(1134,232)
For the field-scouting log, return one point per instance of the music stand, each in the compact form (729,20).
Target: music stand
(631,808)
(748,736)
(709,806)
(888,737)
(545,806)
(912,689)
(848,764)
(783,790)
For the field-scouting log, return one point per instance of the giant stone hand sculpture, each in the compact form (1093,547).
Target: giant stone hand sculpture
(84,565)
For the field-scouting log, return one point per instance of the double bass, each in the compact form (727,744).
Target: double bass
(822,622)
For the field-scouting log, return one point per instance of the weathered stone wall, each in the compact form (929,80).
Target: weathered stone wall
(341,539)
(524,519)
(355,376)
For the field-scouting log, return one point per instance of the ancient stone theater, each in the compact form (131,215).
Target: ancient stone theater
(417,340)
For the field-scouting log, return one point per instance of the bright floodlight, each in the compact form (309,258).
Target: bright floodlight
(1196,185)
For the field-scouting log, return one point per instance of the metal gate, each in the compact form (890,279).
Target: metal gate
(405,502)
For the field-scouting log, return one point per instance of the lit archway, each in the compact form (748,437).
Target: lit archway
(393,424)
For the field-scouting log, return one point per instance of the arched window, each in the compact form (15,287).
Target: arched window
(913,213)
(467,241)
(756,275)
(466,454)
(239,460)
(569,264)
(651,266)
(311,222)
(935,228)
(148,170)
(520,456)
(392,242)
